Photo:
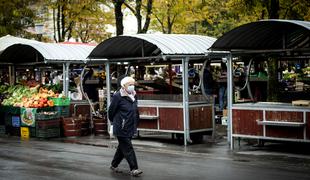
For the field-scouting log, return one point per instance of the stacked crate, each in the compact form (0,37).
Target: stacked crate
(11,120)
(100,126)
(85,125)
(47,124)
(62,106)
(71,127)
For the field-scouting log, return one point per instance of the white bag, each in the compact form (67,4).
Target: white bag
(111,131)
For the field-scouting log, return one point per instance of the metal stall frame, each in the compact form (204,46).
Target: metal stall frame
(264,107)
(171,50)
(44,53)
(185,102)
(237,43)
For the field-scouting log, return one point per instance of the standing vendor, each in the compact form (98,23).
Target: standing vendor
(222,86)
(208,82)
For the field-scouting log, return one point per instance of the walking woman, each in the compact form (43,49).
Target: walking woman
(123,114)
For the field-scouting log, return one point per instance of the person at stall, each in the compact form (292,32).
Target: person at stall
(124,116)
(222,86)
(208,82)
(89,89)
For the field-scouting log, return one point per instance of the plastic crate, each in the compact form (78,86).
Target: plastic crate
(47,124)
(44,115)
(2,118)
(2,130)
(16,121)
(63,111)
(61,101)
(7,119)
(32,131)
(45,109)
(10,110)
(48,133)
(13,131)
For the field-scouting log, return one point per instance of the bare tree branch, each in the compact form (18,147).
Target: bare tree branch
(130,8)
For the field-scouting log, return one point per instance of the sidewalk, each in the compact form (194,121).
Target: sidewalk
(217,146)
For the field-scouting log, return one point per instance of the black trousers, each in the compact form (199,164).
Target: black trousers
(125,150)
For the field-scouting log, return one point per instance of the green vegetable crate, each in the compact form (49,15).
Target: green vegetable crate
(61,101)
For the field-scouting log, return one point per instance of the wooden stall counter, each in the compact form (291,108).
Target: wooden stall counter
(167,116)
(272,121)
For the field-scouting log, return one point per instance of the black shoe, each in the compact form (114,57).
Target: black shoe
(115,169)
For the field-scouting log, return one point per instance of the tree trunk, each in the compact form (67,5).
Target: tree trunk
(148,16)
(63,23)
(118,17)
(54,25)
(169,31)
(138,15)
(58,23)
(274,9)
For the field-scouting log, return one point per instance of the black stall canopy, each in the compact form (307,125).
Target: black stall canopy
(146,46)
(272,35)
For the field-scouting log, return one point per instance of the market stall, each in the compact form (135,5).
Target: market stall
(284,47)
(180,116)
(37,101)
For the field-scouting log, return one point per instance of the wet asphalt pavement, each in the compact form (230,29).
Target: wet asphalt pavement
(89,159)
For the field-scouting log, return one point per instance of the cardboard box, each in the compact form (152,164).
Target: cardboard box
(301,103)
(225,112)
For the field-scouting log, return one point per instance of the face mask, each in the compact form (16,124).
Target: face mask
(131,88)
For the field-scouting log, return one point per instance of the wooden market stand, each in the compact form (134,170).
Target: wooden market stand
(184,116)
(23,52)
(266,120)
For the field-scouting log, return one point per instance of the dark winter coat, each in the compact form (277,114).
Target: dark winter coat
(208,82)
(123,114)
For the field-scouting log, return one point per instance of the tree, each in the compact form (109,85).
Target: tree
(295,9)
(91,24)
(138,11)
(272,9)
(167,14)
(83,20)
(214,18)
(138,8)
(61,18)
(15,16)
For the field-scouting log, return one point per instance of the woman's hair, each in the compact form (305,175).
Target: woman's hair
(126,80)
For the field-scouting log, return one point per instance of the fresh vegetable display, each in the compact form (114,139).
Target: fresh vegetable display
(24,96)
